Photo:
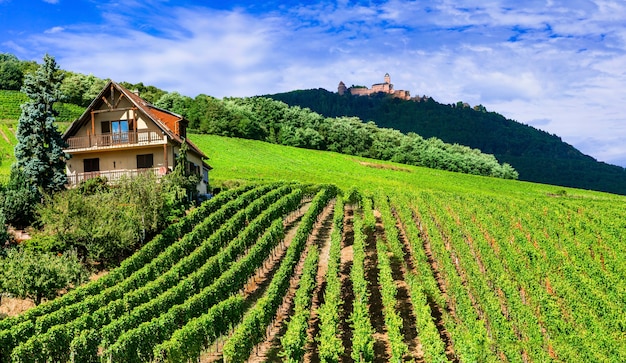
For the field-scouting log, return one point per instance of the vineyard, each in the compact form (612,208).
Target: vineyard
(311,272)
(10,111)
(10,102)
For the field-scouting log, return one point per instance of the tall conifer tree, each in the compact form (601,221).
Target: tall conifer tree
(39,150)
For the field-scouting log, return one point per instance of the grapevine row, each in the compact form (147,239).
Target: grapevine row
(252,330)
(536,255)
(393,321)
(500,328)
(362,335)
(501,281)
(469,333)
(432,345)
(330,347)
(187,343)
(295,338)
(137,344)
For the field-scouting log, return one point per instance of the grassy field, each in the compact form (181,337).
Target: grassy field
(234,159)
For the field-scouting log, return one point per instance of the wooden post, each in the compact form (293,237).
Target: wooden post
(165,156)
(93,123)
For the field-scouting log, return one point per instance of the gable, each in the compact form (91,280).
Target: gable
(115,103)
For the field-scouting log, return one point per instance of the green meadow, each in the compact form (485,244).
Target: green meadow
(240,159)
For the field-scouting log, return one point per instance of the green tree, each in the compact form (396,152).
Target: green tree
(103,224)
(180,185)
(30,274)
(148,93)
(39,151)
(94,87)
(18,200)
(11,75)
(175,102)
(80,89)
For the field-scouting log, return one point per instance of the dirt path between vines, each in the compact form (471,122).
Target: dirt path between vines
(382,347)
(4,136)
(347,293)
(269,350)
(256,285)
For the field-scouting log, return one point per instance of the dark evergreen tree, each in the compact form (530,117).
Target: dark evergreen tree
(39,150)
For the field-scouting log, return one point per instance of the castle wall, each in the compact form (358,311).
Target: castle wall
(386,87)
(360,91)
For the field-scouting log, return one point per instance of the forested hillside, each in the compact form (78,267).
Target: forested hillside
(537,156)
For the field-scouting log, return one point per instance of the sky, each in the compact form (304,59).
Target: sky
(557,65)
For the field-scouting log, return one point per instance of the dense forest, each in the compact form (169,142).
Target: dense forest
(537,155)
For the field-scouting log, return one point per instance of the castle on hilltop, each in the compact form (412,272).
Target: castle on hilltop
(385,87)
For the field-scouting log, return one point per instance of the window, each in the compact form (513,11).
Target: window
(105,127)
(91,165)
(145,161)
(117,129)
(120,131)
(205,175)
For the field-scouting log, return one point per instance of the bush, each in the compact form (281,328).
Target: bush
(18,200)
(104,224)
(30,274)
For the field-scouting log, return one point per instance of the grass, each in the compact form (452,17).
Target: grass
(7,144)
(239,159)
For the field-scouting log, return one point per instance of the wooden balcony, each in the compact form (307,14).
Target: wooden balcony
(112,176)
(115,140)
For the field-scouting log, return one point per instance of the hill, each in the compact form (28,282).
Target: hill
(406,263)
(10,111)
(537,156)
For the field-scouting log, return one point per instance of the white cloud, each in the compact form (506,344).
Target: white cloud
(556,60)
(53,30)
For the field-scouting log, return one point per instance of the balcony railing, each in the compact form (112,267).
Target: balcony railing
(112,176)
(115,139)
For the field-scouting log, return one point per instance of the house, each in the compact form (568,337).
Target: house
(122,134)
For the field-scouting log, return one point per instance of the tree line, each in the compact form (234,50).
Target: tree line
(261,118)
(537,155)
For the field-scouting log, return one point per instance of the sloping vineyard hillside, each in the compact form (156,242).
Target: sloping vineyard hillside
(393,263)
(293,272)
(10,102)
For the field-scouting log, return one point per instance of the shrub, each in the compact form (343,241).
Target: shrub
(30,274)
(104,224)
(18,200)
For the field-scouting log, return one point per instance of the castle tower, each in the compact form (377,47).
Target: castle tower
(387,78)
(341,89)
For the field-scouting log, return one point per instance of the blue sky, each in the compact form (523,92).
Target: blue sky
(558,65)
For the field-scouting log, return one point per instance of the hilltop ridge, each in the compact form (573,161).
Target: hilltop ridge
(537,155)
